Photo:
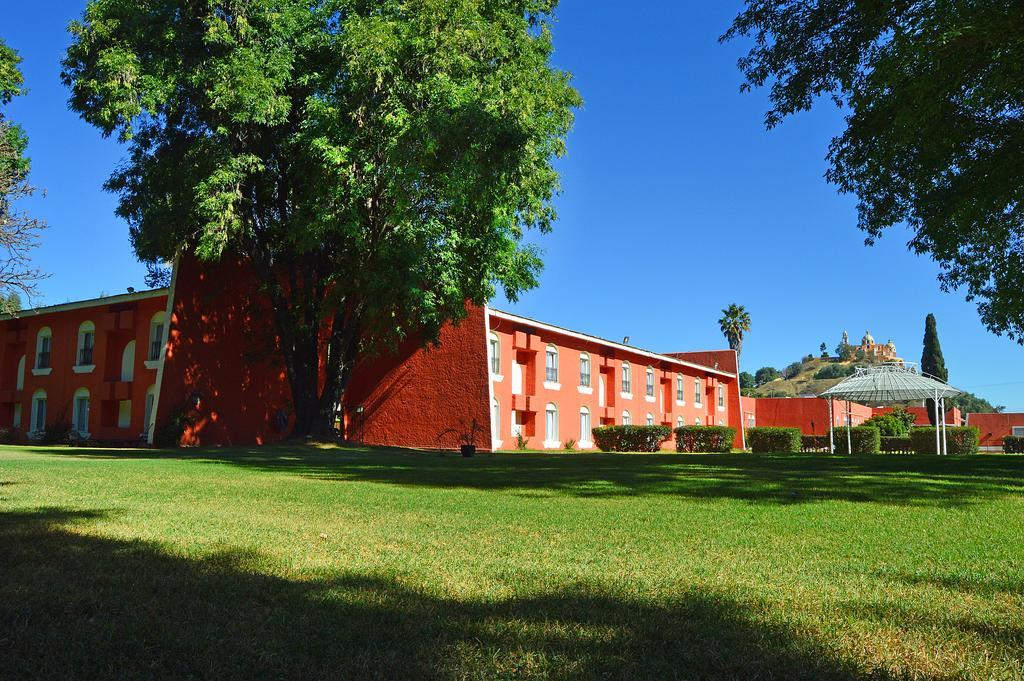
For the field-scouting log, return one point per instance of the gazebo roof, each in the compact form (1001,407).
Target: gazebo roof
(889,383)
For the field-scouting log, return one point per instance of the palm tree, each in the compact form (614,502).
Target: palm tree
(734,323)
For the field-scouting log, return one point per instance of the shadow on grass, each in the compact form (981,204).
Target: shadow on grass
(78,606)
(776,479)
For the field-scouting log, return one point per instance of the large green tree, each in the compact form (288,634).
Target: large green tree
(734,323)
(19,232)
(932,361)
(376,162)
(934,136)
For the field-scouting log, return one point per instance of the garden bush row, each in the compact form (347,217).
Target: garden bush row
(630,438)
(704,438)
(959,440)
(766,440)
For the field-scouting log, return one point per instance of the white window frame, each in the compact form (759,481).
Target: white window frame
(85,330)
(81,428)
(698,397)
(627,381)
(627,418)
(122,407)
(586,388)
(149,417)
(1017,431)
(680,422)
(496,426)
(44,334)
(649,384)
(494,350)
(721,397)
(157,335)
(680,390)
(551,426)
(128,362)
(35,428)
(650,419)
(586,428)
(551,367)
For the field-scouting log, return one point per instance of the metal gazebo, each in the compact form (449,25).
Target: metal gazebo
(891,383)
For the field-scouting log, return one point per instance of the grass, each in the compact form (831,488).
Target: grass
(308,563)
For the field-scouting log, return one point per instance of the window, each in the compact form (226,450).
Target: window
(680,422)
(43,343)
(697,397)
(585,425)
(721,397)
(585,370)
(124,414)
(150,406)
(551,426)
(627,378)
(650,381)
(156,337)
(680,387)
(128,362)
(1017,431)
(38,411)
(627,420)
(80,420)
(86,338)
(697,422)
(495,348)
(551,364)
(19,383)
(650,419)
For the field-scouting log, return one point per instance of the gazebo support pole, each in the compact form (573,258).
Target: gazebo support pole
(945,442)
(938,435)
(831,429)
(849,427)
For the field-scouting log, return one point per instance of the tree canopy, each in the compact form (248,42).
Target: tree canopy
(19,232)
(377,163)
(935,129)
(734,323)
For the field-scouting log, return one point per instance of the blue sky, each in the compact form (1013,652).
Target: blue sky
(676,202)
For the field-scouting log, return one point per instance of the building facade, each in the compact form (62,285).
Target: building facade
(92,366)
(992,428)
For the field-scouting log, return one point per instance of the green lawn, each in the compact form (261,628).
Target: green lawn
(306,563)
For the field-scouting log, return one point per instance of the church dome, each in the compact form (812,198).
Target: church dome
(891,345)
(868,339)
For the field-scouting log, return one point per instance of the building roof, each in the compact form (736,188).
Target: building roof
(91,302)
(604,341)
(891,383)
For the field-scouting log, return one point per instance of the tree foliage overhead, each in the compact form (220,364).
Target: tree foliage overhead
(376,162)
(934,137)
(19,232)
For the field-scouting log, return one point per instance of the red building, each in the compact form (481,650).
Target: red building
(809,414)
(992,428)
(94,365)
(210,355)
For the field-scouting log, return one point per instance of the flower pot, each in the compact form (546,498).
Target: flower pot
(468,450)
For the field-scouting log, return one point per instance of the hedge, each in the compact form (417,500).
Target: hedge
(959,440)
(705,438)
(814,443)
(865,440)
(767,440)
(630,438)
(1013,444)
(897,445)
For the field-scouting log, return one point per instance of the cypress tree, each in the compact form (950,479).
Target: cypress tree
(932,362)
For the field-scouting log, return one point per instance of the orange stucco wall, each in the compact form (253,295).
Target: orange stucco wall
(222,359)
(118,320)
(992,428)
(523,394)
(809,414)
(424,397)
(954,417)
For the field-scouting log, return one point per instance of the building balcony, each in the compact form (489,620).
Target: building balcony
(523,403)
(8,396)
(117,390)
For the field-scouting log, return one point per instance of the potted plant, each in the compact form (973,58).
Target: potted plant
(468,439)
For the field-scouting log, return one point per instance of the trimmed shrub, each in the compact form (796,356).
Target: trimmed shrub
(630,438)
(814,443)
(705,438)
(897,445)
(960,440)
(1013,444)
(773,440)
(865,440)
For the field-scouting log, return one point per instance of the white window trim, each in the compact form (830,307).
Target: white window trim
(83,368)
(153,363)
(552,386)
(680,403)
(626,396)
(649,398)
(42,372)
(585,390)
(552,444)
(497,378)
